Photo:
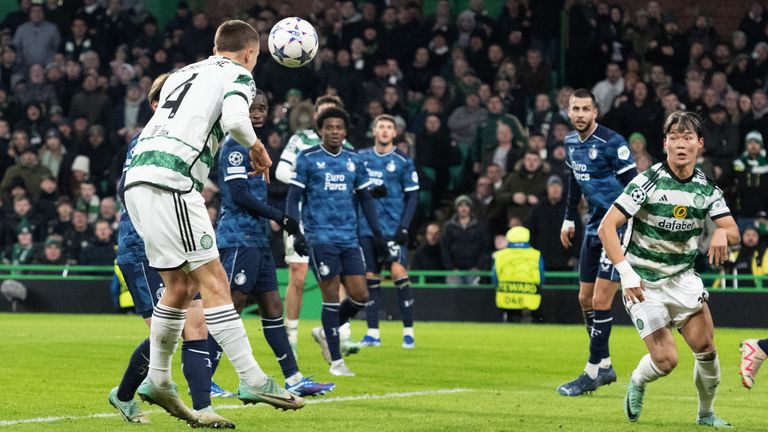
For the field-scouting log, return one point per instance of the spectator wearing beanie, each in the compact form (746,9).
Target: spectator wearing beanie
(80,171)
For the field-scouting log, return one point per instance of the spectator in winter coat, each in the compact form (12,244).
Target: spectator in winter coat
(101,251)
(525,186)
(466,244)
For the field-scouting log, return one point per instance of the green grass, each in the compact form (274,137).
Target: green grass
(64,365)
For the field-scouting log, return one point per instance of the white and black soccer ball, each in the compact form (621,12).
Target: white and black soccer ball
(293,42)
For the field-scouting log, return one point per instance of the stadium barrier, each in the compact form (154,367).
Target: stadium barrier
(85,289)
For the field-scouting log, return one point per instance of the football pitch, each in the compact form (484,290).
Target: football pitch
(56,371)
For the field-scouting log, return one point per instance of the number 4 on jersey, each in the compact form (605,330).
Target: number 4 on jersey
(173,104)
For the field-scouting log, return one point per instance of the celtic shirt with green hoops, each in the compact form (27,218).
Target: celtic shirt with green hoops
(175,150)
(666,217)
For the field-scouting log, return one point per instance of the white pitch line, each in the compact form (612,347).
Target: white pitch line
(228,407)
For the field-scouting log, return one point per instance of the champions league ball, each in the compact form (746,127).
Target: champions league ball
(293,42)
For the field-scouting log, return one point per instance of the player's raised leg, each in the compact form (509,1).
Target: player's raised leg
(227,328)
(659,362)
(753,354)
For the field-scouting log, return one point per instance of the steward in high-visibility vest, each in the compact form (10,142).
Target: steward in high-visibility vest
(518,272)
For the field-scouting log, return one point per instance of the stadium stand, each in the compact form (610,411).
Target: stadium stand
(74,75)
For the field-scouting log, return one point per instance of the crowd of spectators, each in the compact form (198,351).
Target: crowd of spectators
(481,104)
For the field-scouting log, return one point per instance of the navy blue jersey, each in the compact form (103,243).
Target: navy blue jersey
(329,205)
(130,246)
(237,226)
(595,163)
(396,172)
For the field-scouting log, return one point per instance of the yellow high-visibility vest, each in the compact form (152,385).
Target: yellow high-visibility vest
(518,278)
(126,301)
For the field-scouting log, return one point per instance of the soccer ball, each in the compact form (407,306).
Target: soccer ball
(293,42)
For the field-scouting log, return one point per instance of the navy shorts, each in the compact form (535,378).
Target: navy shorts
(372,262)
(249,269)
(145,285)
(328,261)
(593,263)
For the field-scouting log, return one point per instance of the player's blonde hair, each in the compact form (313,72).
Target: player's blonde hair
(157,85)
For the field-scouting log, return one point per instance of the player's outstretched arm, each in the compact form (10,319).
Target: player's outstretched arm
(726,234)
(631,283)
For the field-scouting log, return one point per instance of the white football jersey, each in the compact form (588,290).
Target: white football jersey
(175,150)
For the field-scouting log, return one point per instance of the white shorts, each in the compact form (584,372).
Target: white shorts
(668,302)
(291,257)
(176,228)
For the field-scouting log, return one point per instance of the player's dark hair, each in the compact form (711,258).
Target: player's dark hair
(682,122)
(329,99)
(334,112)
(583,93)
(384,117)
(157,85)
(234,36)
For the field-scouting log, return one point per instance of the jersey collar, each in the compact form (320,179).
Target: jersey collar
(329,153)
(588,136)
(674,176)
(384,154)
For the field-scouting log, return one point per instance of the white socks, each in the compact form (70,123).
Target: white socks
(646,371)
(225,325)
(408,331)
(374,333)
(164,334)
(591,370)
(706,376)
(292,328)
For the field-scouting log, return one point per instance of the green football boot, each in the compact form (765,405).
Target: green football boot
(167,399)
(271,394)
(208,418)
(713,421)
(633,401)
(130,411)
